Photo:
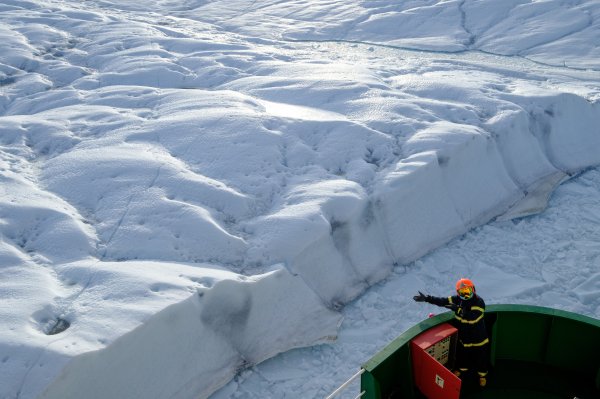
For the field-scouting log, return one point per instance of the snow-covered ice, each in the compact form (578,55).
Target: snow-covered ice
(549,259)
(191,188)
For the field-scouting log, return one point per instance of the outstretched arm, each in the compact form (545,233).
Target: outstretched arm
(439,301)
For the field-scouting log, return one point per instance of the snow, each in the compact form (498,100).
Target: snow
(239,199)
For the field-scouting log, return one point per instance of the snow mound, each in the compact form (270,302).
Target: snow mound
(224,320)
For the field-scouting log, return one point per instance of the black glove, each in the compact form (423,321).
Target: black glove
(421,297)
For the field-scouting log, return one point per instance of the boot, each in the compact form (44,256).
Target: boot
(482,379)
(459,372)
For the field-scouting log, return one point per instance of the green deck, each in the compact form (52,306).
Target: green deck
(512,379)
(536,353)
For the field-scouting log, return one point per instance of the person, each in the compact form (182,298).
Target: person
(473,341)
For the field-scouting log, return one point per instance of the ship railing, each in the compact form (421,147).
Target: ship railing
(345,385)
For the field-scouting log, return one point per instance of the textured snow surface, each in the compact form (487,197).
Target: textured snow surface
(191,188)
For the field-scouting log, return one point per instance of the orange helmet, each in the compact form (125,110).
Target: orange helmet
(465,288)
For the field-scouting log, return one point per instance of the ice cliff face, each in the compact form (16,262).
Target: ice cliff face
(191,348)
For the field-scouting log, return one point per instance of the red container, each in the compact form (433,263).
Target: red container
(432,351)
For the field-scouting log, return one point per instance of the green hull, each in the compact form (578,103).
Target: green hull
(536,352)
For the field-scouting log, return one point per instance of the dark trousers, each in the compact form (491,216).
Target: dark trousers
(473,358)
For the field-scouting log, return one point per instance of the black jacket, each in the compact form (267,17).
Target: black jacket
(469,317)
